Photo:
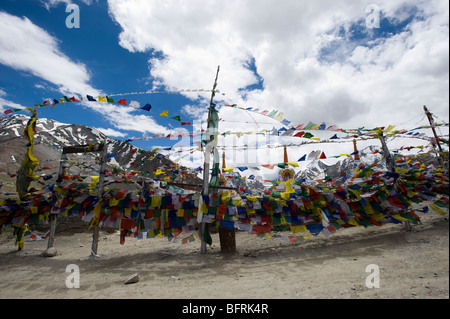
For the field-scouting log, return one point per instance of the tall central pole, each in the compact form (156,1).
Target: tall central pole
(207,158)
(436,138)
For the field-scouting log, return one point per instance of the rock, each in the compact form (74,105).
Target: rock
(132,279)
(50,252)
(253,254)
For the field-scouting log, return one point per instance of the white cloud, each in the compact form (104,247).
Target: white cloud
(386,82)
(111,132)
(26,47)
(54,3)
(6,104)
(122,118)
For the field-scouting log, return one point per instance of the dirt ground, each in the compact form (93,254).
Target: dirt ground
(411,265)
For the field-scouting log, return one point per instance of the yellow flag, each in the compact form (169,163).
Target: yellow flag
(293,164)
(97,212)
(285,196)
(228,170)
(101,99)
(298,229)
(288,188)
(279,116)
(356,193)
(400,218)
(164,113)
(437,209)
(225,197)
(203,209)
(156,200)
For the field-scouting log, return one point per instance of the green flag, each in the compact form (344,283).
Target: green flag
(309,126)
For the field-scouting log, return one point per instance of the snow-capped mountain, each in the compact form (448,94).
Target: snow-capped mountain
(51,136)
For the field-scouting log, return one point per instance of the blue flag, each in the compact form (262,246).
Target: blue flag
(146,107)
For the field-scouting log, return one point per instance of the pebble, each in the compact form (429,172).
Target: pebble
(132,279)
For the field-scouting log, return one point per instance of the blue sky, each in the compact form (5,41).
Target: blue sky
(314,61)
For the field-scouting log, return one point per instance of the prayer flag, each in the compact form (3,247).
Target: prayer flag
(90,98)
(146,107)
(134,104)
(286,122)
(310,126)
(164,113)
(122,101)
(176,118)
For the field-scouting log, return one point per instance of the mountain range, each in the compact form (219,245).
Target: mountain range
(123,157)
(52,136)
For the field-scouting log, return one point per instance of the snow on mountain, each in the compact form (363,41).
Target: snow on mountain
(52,136)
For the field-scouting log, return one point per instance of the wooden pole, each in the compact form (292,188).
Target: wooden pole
(51,237)
(387,155)
(207,159)
(391,168)
(433,125)
(101,180)
(355,150)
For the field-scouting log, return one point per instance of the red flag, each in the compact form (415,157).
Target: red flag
(322,156)
(186,123)
(122,101)
(8,111)
(74,99)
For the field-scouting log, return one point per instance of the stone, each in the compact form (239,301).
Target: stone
(50,252)
(132,279)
